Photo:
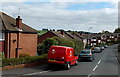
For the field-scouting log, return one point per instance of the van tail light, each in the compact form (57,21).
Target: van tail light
(90,55)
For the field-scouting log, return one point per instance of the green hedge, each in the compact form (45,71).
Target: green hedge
(24,60)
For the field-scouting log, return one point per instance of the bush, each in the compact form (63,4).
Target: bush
(24,60)
(44,47)
(2,55)
(78,46)
(65,42)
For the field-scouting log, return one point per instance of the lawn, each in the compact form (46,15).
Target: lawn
(42,32)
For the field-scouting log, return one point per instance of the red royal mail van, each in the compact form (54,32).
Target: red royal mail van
(62,55)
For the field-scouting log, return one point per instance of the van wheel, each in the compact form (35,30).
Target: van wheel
(67,66)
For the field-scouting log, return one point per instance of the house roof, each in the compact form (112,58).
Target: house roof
(99,35)
(9,24)
(66,35)
(54,33)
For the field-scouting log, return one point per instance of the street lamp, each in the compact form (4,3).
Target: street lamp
(89,29)
(89,34)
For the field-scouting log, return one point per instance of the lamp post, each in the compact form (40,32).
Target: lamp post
(89,35)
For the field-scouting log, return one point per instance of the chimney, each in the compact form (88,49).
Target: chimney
(62,32)
(73,33)
(81,34)
(19,22)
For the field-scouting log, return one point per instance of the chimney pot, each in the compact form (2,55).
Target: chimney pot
(19,22)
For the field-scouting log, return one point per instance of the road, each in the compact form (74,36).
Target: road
(104,65)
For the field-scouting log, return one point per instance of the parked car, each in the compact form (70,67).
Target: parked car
(102,47)
(88,47)
(62,55)
(86,54)
(97,49)
(106,46)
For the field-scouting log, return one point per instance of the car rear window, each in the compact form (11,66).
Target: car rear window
(85,51)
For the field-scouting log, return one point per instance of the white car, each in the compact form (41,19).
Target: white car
(97,49)
(103,48)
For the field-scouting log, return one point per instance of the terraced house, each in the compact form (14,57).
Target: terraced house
(16,37)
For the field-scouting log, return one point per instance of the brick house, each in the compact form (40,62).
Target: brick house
(109,37)
(60,34)
(118,37)
(17,37)
(96,39)
(104,38)
(49,34)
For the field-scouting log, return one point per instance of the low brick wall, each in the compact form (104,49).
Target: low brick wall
(22,66)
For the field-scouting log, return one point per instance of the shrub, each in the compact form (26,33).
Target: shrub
(43,48)
(24,60)
(2,55)
(48,43)
(78,46)
(65,42)
(40,49)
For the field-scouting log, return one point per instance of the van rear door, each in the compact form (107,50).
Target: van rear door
(57,53)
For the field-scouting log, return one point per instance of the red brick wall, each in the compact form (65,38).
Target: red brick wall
(28,43)
(13,45)
(1,46)
(45,36)
(7,43)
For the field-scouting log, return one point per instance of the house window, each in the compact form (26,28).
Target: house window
(111,36)
(94,43)
(2,36)
(93,40)
(99,41)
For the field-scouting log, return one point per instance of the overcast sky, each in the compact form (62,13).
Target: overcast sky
(67,15)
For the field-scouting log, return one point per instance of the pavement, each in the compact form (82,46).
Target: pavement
(104,65)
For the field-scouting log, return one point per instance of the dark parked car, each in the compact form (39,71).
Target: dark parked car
(106,46)
(86,54)
(97,49)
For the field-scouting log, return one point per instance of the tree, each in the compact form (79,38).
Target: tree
(105,31)
(47,43)
(117,30)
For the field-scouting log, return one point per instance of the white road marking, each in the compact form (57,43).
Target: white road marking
(37,73)
(89,75)
(99,61)
(95,67)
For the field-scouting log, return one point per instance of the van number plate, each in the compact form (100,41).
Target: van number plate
(51,60)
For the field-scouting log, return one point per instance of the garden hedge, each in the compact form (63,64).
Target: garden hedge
(24,60)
